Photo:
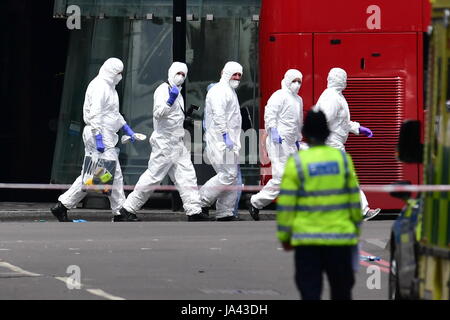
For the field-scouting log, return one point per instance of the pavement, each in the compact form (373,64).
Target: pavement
(40,212)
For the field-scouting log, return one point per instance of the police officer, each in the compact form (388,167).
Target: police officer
(319,213)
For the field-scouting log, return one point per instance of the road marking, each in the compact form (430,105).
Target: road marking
(146,248)
(377,242)
(4,249)
(103,294)
(215,248)
(97,292)
(18,269)
(73,282)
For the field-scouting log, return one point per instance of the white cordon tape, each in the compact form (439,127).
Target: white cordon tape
(365,188)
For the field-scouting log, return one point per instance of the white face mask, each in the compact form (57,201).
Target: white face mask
(117,79)
(234,83)
(294,87)
(178,80)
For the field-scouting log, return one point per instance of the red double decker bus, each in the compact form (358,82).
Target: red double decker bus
(380,43)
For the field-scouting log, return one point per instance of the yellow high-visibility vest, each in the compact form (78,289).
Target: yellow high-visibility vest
(319,200)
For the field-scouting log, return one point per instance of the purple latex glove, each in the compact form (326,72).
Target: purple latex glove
(99,143)
(365,131)
(129,132)
(228,141)
(274,136)
(173,94)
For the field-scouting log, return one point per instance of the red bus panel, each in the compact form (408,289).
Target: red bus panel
(382,70)
(379,44)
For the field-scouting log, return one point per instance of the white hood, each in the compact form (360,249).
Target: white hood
(337,79)
(110,70)
(335,107)
(174,69)
(289,76)
(229,69)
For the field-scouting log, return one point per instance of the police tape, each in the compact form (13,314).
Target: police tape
(243,188)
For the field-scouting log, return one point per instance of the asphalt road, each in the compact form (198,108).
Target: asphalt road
(165,261)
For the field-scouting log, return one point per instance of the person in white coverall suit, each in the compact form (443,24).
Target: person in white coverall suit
(335,107)
(223,133)
(169,154)
(283,119)
(103,121)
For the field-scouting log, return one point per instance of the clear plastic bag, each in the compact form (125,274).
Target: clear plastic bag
(98,174)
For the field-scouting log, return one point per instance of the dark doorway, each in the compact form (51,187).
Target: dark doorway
(32,62)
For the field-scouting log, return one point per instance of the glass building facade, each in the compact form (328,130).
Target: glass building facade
(147,35)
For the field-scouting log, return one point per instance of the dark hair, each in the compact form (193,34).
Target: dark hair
(315,126)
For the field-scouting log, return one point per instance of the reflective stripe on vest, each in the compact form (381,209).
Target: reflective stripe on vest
(284,229)
(300,236)
(331,192)
(331,207)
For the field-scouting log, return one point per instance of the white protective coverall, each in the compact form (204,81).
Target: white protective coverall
(169,154)
(101,116)
(222,115)
(335,107)
(283,111)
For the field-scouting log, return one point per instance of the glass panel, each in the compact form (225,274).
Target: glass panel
(149,58)
(223,8)
(210,44)
(118,8)
(69,147)
(145,47)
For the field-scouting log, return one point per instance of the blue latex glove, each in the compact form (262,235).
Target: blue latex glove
(275,136)
(297,144)
(99,143)
(228,141)
(173,94)
(365,131)
(129,132)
